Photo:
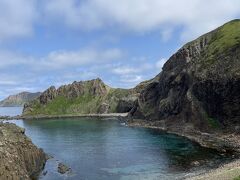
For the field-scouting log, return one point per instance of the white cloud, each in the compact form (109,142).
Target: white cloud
(63,59)
(136,68)
(131,79)
(19,72)
(16,18)
(124,70)
(195,16)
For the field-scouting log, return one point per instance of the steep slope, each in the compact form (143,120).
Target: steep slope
(19,99)
(199,86)
(82,97)
(19,157)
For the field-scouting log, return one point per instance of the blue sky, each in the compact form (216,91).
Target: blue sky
(54,42)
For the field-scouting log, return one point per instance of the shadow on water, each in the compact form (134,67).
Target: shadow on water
(97,149)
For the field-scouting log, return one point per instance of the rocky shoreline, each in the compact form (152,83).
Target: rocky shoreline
(121,115)
(228,171)
(225,143)
(222,142)
(19,157)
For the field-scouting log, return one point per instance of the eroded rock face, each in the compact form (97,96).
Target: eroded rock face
(94,87)
(48,95)
(84,97)
(125,105)
(19,157)
(198,85)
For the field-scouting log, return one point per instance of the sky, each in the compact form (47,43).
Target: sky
(123,42)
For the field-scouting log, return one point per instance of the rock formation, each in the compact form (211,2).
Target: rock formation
(62,168)
(82,97)
(19,99)
(19,157)
(199,85)
(198,88)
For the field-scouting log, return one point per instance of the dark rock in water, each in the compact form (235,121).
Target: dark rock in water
(44,173)
(19,157)
(62,168)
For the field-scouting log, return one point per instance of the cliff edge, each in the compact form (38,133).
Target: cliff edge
(19,157)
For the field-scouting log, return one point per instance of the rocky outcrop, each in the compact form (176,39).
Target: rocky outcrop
(19,99)
(19,157)
(84,97)
(62,168)
(93,88)
(199,85)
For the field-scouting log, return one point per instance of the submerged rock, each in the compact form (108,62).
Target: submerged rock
(62,168)
(19,157)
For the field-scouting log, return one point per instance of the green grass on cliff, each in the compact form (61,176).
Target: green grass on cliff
(62,105)
(237,178)
(223,39)
(85,104)
(227,36)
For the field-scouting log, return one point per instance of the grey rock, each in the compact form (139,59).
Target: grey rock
(62,168)
(19,157)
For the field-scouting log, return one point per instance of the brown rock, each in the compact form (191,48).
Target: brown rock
(19,157)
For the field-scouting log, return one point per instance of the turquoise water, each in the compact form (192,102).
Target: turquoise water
(106,150)
(10,111)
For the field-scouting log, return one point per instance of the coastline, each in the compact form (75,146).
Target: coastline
(120,115)
(221,143)
(20,158)
(226,171)
(225,143)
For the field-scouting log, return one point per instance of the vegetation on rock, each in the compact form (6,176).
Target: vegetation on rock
(84,97)
(199,85)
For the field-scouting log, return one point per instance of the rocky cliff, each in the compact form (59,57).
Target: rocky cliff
(19,157)
(199,86)
(19,99)
(82,97)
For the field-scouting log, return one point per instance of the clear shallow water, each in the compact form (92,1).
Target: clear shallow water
(105,150)
(10,111)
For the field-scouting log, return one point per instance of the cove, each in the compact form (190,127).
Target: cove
(99,149)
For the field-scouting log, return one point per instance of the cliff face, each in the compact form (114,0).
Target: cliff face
(19,157)
(81,98)
(19,99)
(199,85)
